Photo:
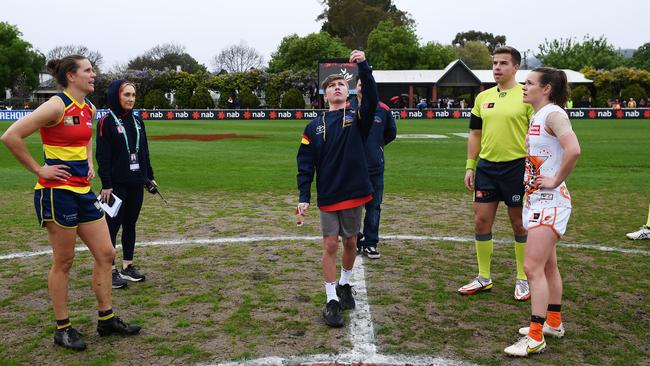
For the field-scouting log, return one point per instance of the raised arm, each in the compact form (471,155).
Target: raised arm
(369,99)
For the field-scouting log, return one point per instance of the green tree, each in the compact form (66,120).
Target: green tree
(166,57)
(303,53)
(155,99)
(18,60)
(609,84)
(248,99)
(353,20)
(434,56)
(184,86)
(568,53)
(486,38)
(578,92)
(201,99)
(476,55)
(641,57)
(633,91)
(393,47)
(293,99)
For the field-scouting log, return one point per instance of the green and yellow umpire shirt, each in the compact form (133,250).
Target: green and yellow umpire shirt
(503,118)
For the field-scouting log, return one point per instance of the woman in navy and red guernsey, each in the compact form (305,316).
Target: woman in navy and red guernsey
(64,203)
(124,169)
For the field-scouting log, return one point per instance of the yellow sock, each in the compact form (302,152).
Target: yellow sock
(648,223)
(484,254)
(520,254)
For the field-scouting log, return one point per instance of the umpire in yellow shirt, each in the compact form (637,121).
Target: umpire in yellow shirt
(495,166)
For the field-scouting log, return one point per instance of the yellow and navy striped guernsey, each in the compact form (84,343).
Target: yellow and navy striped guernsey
(505,120)
(66,143)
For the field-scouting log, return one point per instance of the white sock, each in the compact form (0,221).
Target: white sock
(330,290)
(345,276)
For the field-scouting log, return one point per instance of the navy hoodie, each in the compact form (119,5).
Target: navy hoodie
(110,151)
(382,132)
(333,147)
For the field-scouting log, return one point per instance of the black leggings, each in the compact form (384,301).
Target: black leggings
(127,216)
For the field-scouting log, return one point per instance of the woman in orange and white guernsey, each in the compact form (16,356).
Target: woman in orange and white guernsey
(552,153)
(64,203)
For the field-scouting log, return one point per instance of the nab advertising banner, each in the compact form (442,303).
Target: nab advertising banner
(308,114)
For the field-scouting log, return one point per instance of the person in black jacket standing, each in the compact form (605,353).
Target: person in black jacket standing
(122,154)
(382,132)
(332,146)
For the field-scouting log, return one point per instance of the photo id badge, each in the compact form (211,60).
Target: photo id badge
(133,162)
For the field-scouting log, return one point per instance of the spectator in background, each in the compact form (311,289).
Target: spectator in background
(422,104)
(624,103)
(642,103)
(616,105)
(237,102)
(463,104)
(631,103)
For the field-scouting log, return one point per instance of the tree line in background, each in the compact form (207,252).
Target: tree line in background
(386,33)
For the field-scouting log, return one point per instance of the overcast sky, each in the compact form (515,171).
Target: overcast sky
(129,27)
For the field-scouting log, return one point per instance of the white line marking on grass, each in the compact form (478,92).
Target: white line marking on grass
(362,337)
(252,239)
(422,136)
(461,134)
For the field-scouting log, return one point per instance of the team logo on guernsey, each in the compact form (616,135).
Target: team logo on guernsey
(488,105)
(503,94)
(377,119)
(546,196)
(347,121)
(534,130)
(516,198)
(320,129)
(68,121)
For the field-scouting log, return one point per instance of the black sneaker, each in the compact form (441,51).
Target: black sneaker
(69,338)
(115,325)
(344,292)
(118,281)
(332,314)
(359,243)
(132,273)
(371,252)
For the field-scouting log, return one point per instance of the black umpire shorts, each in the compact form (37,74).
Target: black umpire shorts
(494,182)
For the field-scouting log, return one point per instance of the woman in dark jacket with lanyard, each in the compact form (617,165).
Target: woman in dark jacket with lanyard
(123,157)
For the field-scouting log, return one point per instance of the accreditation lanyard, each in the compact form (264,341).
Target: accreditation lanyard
(133,158)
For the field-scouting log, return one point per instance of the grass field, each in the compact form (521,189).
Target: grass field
(206,304)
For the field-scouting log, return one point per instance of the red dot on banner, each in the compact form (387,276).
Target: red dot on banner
(221,115)
(195,115)
(170,115)
(429,114)
(403,114)
(247,115)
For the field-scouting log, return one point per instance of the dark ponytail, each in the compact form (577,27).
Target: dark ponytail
(59,68)
(559,84)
